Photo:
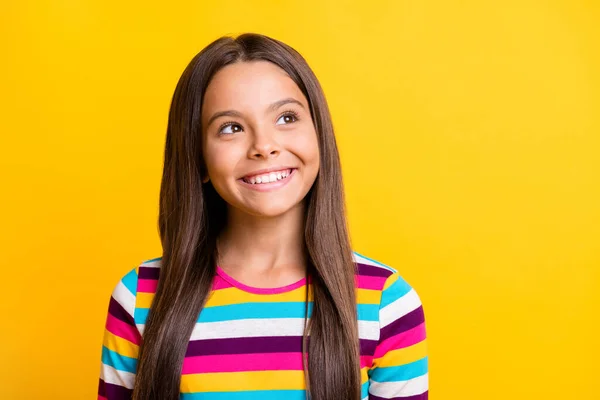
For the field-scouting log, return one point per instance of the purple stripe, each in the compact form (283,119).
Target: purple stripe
(246,345)
(370,270)
(409,321)
(367,347)
(117,311)
(114,392)
(264,344)
(422,396)
(101,391)
(148,273)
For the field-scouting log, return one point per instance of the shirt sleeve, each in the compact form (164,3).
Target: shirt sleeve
(121,342)
(400,363)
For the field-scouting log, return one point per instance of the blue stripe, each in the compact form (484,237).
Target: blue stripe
(247,395)
(400,373)
(130,281)
(254,310)
(368,312)
(376,262)
(394,292)
(364,390)
(141,315)
(118,361)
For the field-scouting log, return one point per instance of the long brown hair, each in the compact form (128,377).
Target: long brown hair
(192,215)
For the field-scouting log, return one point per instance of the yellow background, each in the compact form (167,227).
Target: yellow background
(470,141)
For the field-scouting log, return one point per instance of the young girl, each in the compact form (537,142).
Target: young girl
(258,294)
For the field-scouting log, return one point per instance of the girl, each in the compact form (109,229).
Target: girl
(258,294)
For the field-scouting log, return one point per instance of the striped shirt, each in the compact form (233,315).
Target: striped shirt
(247,341)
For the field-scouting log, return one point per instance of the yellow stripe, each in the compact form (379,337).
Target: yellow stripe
(250,380)
(390,281)
(367,296)
(364,375)
(240,381)
(223,297)
(143,300)
(120,345)
(402,356)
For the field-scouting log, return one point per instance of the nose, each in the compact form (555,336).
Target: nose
(264,145)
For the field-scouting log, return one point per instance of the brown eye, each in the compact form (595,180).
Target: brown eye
(230,129)
(286,119)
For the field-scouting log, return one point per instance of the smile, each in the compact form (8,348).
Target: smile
(262,179)
(269,181)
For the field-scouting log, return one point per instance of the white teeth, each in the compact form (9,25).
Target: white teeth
(267,178)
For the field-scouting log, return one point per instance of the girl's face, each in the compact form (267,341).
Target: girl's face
(259,143)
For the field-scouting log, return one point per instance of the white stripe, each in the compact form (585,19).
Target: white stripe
(141,328)
(399,308)
(248,328)
(266,327)
(124,297)
(361,260)
(121,378)
(368,330)
(152,264)
(412,387)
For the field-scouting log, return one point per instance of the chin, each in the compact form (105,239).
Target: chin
(273,209)
(270,211)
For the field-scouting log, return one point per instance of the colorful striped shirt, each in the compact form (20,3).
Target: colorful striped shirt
(247,341)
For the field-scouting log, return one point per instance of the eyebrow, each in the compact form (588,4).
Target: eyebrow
(271,108)
(283,102)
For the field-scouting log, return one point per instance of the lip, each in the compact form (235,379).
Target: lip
(266,171)
(266,187)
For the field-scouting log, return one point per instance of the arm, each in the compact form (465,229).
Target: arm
(400,362)
(121,343)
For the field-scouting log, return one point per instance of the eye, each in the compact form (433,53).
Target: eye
(229,128)
(287,118)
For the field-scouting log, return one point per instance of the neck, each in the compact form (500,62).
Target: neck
(267,249)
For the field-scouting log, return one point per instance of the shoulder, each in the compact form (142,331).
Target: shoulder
(369,267)
(375,275)
(400,311)
(148,270)
(142,278)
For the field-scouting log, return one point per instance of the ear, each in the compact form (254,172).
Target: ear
(204,174)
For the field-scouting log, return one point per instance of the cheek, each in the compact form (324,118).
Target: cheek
(219,161)
(308,149)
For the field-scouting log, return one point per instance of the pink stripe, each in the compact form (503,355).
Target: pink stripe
(256,290)
(220,283)
(102,397)
(242,362)
(401,340)
(366,361)
(122,329)
(371,282)
(147,285)
(250,362)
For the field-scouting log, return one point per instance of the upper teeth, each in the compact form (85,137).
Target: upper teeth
(270,177)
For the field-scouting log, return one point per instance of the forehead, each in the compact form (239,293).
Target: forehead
(249,86)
